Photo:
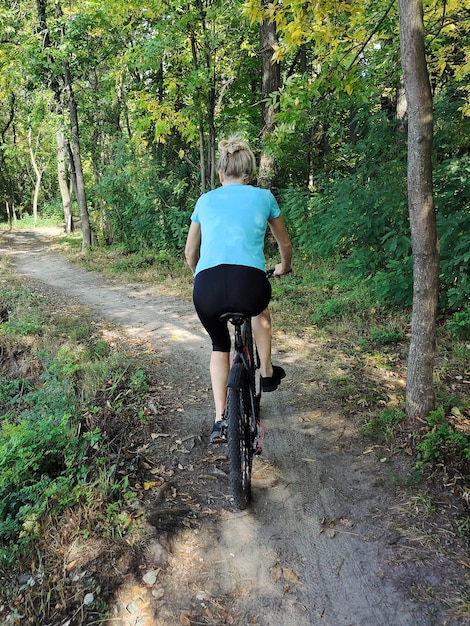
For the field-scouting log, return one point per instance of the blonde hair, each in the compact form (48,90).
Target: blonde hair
(236,159)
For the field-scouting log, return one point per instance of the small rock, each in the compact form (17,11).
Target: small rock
(150,578)
(131,608)
(88,599)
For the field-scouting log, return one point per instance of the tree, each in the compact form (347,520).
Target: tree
(271,83)
(58,74)
(38,167)
(62,178)
(420,399)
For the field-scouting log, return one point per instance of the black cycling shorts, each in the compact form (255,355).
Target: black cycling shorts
(228,288)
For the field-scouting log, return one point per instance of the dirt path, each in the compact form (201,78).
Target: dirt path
(316,546)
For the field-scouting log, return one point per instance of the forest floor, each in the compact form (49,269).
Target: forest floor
(333,536)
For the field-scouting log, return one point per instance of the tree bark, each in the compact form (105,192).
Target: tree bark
(271,82)
(62,177)
(420,397)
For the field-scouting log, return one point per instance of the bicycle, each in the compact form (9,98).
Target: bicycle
(241,425)
(241,416)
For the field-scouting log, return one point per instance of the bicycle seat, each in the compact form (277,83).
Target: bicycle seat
(234,318)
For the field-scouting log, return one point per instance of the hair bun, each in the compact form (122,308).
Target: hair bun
(232,145)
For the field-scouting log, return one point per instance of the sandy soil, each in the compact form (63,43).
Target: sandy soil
(318,546)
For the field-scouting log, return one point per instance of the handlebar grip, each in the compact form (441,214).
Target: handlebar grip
(270,273)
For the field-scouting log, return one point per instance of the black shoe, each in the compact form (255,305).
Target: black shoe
(218,433)
(271,383)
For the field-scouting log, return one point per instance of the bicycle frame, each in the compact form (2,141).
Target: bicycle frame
(245,348)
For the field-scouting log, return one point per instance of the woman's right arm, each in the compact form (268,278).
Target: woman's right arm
(193,243)
(279,231)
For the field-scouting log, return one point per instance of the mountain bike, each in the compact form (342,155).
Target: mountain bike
(241,424)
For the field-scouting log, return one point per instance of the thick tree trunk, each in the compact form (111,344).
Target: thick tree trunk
(420,398)
(271,82)
(62,177)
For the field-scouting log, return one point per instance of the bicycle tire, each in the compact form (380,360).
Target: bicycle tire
(240,448)
(254,377)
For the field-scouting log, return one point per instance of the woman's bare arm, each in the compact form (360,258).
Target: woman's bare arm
(193,243)
(279,230)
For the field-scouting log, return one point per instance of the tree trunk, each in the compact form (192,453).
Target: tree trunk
(420,398)
(77,160)
(202,167)
(271,82)
(38,171)
(211,138)
(63,186)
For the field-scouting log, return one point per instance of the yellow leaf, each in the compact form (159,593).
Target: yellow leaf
(151,484)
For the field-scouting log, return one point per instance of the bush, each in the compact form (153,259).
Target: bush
(148,201)
(41,468)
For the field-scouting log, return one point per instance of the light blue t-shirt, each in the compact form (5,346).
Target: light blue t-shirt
(233,220)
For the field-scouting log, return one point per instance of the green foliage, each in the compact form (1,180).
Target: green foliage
(12,392)
(24,317)
(54,446)
(443,444)
(147,202)
(459,323)
(383,426)
(452,182)
(386,334)
(41,468)
(361,218)
(53,211)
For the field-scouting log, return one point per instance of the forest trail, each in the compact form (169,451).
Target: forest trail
(316,547)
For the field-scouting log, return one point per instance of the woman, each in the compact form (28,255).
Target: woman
(225,250)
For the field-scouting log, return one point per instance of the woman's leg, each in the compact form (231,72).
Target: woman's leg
(271,375)
(261,325)
(219,369)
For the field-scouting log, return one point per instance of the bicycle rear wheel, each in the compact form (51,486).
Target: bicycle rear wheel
(240,448)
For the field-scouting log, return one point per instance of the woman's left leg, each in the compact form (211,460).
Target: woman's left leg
(219,370)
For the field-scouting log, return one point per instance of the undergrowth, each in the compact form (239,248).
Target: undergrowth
(68,403)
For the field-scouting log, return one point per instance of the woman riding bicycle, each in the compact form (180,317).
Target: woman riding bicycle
(225,250)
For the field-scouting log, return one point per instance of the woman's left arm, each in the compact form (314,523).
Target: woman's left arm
(193,243)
